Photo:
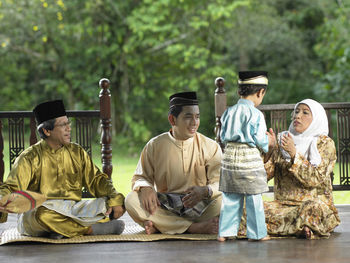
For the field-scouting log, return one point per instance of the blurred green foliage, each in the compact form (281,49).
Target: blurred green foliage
(152,48)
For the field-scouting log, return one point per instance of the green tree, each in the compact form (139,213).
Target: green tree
(333,50)
(151,49)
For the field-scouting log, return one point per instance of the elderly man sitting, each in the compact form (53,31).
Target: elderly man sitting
(59,169)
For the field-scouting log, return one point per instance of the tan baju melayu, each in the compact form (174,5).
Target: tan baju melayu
(61,175)
(172,166)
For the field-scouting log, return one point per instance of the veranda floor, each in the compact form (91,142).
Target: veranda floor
(334,249)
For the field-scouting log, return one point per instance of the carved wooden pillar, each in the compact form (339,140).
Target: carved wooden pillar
(105,117)
(32,138)
(220,107)
(2,164)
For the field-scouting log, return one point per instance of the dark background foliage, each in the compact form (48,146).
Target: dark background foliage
(152,48)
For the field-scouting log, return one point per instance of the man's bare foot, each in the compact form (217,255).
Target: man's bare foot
(221,239)
(89,232)
(262,239)
(210,226)
(307,232)
(150,228)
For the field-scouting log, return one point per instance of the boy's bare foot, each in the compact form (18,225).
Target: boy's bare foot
(210,226)
(150,228)
(262,239)
(221,239)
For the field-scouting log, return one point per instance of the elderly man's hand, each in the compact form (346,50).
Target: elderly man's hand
(149,199)
(118,211)
(194,195)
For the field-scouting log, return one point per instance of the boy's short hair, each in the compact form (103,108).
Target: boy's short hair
(249,89)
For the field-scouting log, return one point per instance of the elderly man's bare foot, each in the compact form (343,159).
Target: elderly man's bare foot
(150,228)
(210,226)
(89,232)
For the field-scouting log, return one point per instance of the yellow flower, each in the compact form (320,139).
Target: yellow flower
(45,5)
(44,39)
(61,26)
(35,28)
(59,16)
(3,44)
(60,3)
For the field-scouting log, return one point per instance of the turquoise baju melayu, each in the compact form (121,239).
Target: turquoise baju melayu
(242,170)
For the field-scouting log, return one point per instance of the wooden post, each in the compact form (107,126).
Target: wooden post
(105,117)
(220,107)
(32,138)
(2,164)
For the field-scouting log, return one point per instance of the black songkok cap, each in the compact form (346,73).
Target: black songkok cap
(252,77)
(49,110)
(183,99)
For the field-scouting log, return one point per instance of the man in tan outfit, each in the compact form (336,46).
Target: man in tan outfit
(175,185)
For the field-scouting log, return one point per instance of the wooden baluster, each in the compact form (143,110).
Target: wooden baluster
(330,131)
(2,164)
(278,120)
(220,107)
(32,138)
(105,117)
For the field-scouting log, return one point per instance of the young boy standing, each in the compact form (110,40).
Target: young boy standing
(242,169)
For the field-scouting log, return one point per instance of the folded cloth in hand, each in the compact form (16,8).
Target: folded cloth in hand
(21,201)
(173,202)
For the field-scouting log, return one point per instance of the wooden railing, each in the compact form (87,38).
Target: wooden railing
(20,123)
(278,116)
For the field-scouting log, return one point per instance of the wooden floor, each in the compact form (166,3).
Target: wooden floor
(334,249)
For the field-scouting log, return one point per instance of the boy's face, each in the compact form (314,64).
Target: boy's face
(186,124)
(260,96)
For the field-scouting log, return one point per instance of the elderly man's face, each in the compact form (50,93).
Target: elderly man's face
(186,124)
(60,135)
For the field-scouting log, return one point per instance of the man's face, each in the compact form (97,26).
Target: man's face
(60,135)
(186,124)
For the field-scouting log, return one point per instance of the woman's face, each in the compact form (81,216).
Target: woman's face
(302,118)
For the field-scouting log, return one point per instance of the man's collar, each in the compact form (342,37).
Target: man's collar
(180,142)
(47,147)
